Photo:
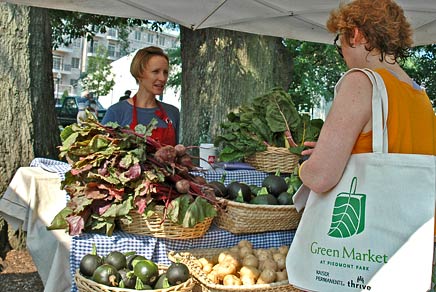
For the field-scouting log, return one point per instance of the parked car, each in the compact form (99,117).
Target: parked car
(68,110)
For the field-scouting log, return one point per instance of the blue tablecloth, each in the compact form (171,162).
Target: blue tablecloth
(157,249)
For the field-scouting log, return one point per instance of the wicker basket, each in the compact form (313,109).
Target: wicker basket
(190,257)
(87,285)
(153,226)
(273,159)
(249,218)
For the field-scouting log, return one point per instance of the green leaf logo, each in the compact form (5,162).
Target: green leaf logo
(348,217)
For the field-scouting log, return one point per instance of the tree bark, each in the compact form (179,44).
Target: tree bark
(222,69)
(28,125)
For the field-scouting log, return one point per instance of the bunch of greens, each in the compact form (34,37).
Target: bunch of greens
(269,120)
(115,170)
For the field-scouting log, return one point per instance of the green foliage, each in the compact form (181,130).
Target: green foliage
(99,79)
(175,78)
(317,68)
(422,68)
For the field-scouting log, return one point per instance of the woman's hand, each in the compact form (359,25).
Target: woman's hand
(308,152)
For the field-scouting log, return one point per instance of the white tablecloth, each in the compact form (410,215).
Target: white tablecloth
(32,200)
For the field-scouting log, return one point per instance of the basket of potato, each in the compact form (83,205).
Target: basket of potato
(238,268)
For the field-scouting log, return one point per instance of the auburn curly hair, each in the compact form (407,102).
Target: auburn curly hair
(381,22)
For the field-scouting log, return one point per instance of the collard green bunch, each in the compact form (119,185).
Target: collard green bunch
(269,120)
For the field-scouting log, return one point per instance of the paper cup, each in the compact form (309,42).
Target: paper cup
(208,155)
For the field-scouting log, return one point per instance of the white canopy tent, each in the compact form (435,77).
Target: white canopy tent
(295,19)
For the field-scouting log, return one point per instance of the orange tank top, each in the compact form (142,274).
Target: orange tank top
(411,121)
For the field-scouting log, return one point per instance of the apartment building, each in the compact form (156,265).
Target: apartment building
(70,61)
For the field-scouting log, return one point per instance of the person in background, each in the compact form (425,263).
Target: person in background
(90,107)
(126,95)
(375,35)
(150,68)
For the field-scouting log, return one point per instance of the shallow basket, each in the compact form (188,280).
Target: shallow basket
(190,258)
(250,218)
(87,285)
(153,226)
(273,159)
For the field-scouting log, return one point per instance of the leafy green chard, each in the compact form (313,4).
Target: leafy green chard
(115,170)
(269,120)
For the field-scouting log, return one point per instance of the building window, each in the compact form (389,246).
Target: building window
(57,62)
(150,38)
(111,50)
(93,45)
(77,43)
(112,32)
(137,35)
(162,41)
(75,63)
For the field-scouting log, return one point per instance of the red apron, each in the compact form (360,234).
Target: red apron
(166,136)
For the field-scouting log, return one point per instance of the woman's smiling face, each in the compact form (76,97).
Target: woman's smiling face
(155,75)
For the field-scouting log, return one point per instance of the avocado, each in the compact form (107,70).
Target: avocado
(285,198)
(237,188)
(266,199)
(219,189)
(275,184)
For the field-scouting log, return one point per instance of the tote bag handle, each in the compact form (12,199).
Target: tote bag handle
(379,109)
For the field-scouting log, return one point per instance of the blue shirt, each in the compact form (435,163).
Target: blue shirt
(121,113)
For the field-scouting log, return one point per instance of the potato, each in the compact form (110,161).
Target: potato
(268,264)
(207,268)
(281,276)
(213,277)
(233,259)
(247,280)
(283,249)
(246,243)
(250,260)
(249,271)
(280,260)
(231,280)
(262,256)
(203,262)
(266,277)
(244,251)
(234,250)
(224,269)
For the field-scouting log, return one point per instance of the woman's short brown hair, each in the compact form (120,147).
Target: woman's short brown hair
(381,22)
(141,59)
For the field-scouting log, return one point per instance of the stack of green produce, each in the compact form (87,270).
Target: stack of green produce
(269,120)
(131,271)
(275,190)
(115,170)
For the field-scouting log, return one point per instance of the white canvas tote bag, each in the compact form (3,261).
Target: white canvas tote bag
(374,230)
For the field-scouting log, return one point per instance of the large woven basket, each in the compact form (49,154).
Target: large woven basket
(155,226)
(190,258)
(87,285)
(273,159)
(250,218)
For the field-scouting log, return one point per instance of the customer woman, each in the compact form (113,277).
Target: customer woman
(375,35)
(150,68)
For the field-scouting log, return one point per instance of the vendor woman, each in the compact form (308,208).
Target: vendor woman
(150,69)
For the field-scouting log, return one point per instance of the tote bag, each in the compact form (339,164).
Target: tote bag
(374,230)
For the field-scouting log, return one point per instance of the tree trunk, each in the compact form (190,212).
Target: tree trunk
(222,69)
(28,125)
